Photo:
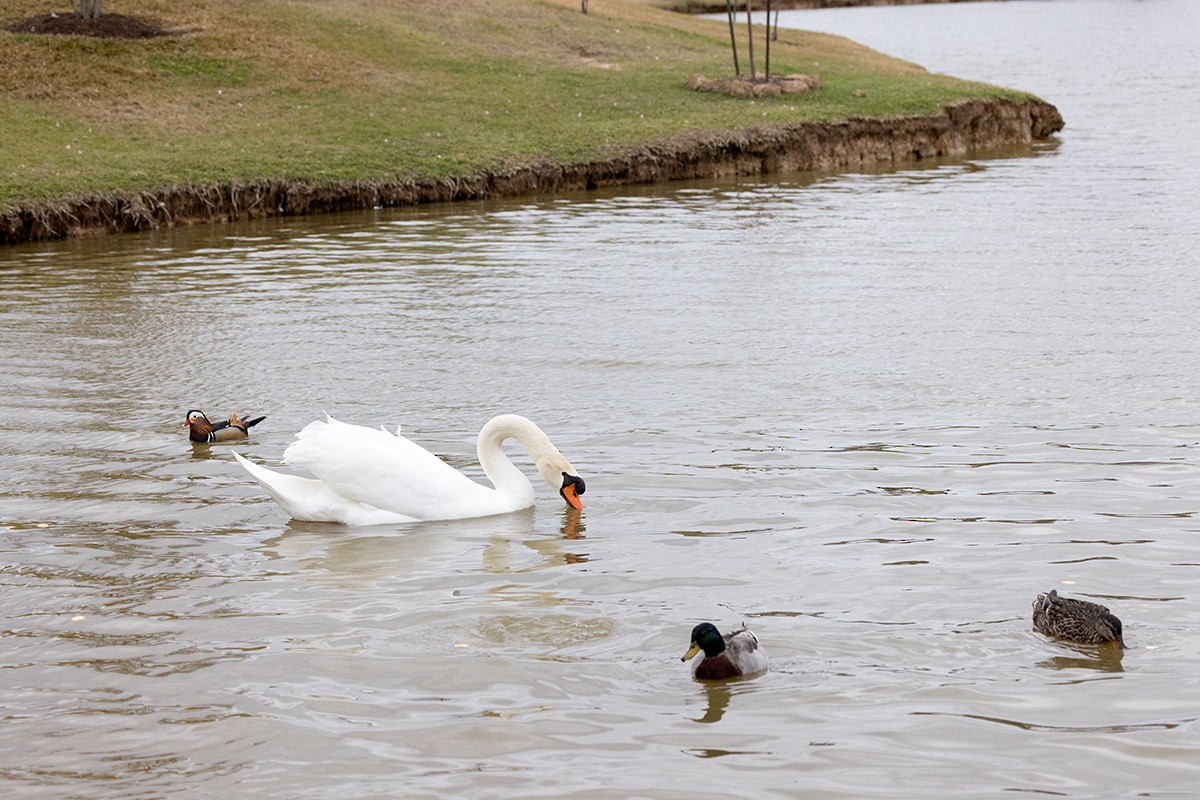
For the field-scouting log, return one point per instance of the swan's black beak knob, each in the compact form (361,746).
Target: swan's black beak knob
(572,487)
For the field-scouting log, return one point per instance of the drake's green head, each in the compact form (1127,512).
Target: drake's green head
(706,637)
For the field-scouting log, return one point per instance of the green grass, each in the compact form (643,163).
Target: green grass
(382,89)
(199,69)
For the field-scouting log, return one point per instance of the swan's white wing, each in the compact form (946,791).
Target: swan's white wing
(310,499)
(374,468)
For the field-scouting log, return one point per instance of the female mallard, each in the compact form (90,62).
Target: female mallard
(1075,620)
(736,653)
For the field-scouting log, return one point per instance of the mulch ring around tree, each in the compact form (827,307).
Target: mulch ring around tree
(106,26)
(758,86)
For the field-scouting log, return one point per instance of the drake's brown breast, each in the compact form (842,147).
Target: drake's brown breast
(716,668)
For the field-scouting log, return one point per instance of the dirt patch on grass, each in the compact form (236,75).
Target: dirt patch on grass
(106,26)
(745,86)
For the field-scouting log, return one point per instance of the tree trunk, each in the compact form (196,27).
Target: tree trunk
(88,9)
(767,65)
(750,28)
(729,12)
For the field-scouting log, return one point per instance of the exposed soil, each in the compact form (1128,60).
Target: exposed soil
(106,26)
(746,86)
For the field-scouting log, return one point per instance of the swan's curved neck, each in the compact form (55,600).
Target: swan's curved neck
(500,470)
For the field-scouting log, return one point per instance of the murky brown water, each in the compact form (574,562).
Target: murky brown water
(872,415)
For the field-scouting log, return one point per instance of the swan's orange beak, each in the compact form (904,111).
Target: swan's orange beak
(571,489)
(572,497)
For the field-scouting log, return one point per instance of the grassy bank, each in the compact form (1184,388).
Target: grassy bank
(719,6)
(349,90)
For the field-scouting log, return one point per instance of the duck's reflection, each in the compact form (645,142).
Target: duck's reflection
(718,695)
(1101,658)
(202,451)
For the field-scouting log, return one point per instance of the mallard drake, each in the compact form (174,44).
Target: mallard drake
(1075,620)
(369,476)
(736,653)
(229,430)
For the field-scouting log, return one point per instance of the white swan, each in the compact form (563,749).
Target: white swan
(366,476)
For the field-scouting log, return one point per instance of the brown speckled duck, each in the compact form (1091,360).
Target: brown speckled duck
(230,430)
(1075,620)
(732,655)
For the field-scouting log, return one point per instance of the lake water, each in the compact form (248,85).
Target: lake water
(872,415)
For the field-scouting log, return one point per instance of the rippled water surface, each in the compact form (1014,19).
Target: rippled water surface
(872,415)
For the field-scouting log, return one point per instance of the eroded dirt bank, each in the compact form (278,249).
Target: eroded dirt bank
(961,129)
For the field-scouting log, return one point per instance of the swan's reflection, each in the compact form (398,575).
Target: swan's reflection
(498,556)
(363,557)
(366,557)
(572,525)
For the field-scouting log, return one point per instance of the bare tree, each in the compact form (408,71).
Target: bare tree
(88,9)
(767,67)
(750,36)
(737,67)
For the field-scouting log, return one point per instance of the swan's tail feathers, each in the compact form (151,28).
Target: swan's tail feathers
(389,433)
(293,493)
